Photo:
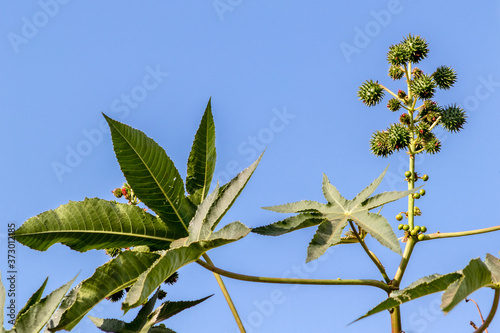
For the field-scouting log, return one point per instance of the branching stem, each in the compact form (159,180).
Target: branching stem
(439,235)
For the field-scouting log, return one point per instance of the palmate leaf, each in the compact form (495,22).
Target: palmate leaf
(493,265)
(173,259)
(115,275)
(422,287)
(201,239)
(94,224)
(334,216)
(201,162)
(152,175)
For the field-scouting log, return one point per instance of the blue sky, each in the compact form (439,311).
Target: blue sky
(282,75)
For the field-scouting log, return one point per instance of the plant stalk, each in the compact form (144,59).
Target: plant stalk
(493,310)
(370,254)
(229,301)
(342,282)
(396,320)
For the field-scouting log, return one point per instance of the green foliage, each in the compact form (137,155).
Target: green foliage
(201,162)
(334,216)
(152,175)
(147,317)
(103,224)
(37,311)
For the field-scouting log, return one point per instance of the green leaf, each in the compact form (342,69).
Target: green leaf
(115,275)
(173,259)
(34,298)
(299,207)
(38,314)
(328,234)
(152,175)
(290,224)
(229,194)
(170,308)
(201,162)
(334,216)
(141,323)
(422,287)
(94,224)
(493,265)
(474,276)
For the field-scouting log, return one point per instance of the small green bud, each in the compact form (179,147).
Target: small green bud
(421,237)
(400,227)
(117,192)
(425,178)
(416,195)
(414,232)
(417,211)
(406,227)
(417,228)
(423,228)
(422,191)
(399,217)
(407,174)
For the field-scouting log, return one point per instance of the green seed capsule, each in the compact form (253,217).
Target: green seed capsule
(417,228)
(399,217)
(416,195)
(407,174)
(406,227)
(400,227)
(425,178)
(421,237)
(414,232)
(423,228)
(422,192)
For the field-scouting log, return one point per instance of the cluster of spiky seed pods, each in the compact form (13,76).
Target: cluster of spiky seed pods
(414,129)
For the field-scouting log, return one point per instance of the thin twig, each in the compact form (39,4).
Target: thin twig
(493,310)
(370,254)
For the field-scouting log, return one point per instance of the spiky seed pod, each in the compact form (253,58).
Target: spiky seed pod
(380,144)
(401,94)
(405,119)
(430,112)
(394,104)
(397,55)
(371,93)
(423,86)
(423,131)
(116,296)
(432,146)
(416,47)
(453,118)
(417,72)
(161,294)
(445,77)
(399,136)
(172,279)
(396,72)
